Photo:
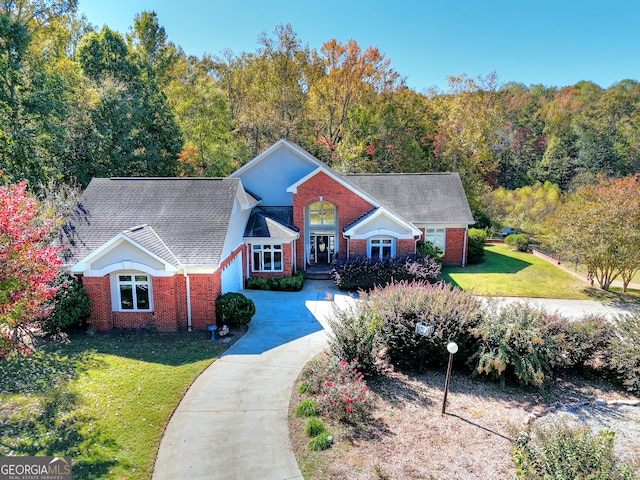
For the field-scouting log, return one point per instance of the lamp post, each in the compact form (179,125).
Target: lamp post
(452,347)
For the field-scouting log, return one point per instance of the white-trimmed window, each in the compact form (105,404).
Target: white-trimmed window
(267,258)
(437,236)
(134,291)
(381,247)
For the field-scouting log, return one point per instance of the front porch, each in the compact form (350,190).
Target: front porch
(318,272)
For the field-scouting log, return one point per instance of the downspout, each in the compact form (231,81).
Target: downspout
(188,284)
(294,256)
(464,248)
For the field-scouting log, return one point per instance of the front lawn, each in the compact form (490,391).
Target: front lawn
(515,274)
(104,400)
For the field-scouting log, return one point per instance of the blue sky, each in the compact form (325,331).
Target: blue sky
(554,43)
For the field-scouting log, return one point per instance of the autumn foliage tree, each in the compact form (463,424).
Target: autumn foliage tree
(600,223)
(27,265)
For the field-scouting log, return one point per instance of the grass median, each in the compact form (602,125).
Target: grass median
(104,400)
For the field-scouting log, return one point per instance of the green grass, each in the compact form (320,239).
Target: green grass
(104,400)
(515,274)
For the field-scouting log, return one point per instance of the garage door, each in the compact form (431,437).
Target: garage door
(232,275)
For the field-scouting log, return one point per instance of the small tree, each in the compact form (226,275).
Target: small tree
(27,266)
(601,224)
(70,304)
(476,238)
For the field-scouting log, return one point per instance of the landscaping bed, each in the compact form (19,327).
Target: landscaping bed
(408,438)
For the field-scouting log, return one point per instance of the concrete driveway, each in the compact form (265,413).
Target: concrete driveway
(232,423)
(573,308)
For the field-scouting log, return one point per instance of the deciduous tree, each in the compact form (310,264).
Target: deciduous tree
(601,224)
(27,265)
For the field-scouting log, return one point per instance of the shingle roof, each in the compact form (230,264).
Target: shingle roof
(146,236)
(271,222)
(189,215)
(418,197)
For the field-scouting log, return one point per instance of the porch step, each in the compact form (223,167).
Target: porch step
(319,275)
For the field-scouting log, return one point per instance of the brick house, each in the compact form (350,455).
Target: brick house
(160,250)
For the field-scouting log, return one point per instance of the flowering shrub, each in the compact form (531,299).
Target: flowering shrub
(339,388)
(517,340)
(353,335)
(563,451)
(364,273)
(451,311)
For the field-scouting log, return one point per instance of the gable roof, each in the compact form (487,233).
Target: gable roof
(263,225)
(350,230)
(189,216)
(282,143)
(421,198)
(146,237)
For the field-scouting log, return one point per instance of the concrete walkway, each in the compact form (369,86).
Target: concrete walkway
(232,423)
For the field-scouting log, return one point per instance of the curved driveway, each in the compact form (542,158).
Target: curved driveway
(232,422)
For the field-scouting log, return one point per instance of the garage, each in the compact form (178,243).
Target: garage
(232,275)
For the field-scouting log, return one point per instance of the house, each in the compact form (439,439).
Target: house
(159,251)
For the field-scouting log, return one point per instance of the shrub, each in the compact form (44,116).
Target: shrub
(339,389)
(560,451)
(515,340)
(364,273)
(585,340)
(314,426)
(428,249)
(476,239)
(234,309)
(320,442)
(307,408)
(623,356)
(258,283)
(518,241)
(293,283)
(70,304)
(451,311)
(353,335)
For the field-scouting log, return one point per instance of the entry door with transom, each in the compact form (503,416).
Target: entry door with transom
(322,248)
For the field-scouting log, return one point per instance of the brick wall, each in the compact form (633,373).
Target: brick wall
(454,246)
(169,304)
(349,205)
(204,291)
(405,246)
(99,292)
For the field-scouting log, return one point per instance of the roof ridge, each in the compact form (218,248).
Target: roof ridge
(168,178)
(381,174)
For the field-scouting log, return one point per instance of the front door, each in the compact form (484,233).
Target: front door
(321,249)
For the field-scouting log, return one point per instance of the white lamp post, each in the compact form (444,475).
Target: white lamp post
(452,347)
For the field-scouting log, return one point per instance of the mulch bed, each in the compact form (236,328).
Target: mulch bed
(409,438)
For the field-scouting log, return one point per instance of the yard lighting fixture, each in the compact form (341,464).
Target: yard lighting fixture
(452,348)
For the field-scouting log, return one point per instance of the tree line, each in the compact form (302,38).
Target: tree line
(78,102)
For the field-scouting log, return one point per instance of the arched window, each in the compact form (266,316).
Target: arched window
(322,213)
